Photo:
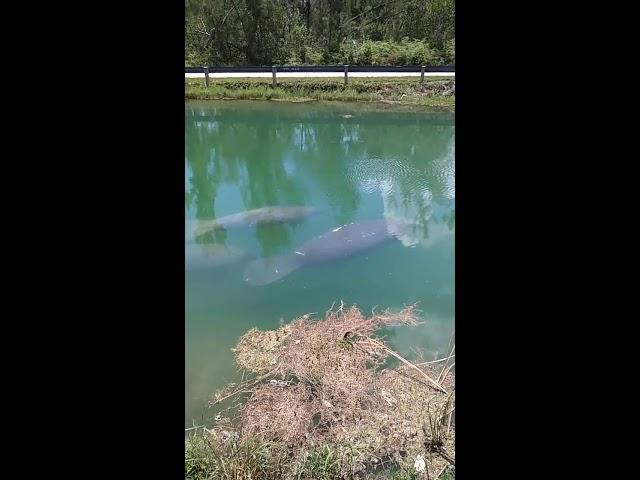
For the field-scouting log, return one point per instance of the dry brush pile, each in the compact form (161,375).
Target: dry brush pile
(333,382)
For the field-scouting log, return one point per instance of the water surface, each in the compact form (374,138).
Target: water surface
(352,162)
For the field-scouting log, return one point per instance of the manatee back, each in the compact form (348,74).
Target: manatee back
(344,241)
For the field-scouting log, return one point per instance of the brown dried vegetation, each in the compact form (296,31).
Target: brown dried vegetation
(314,383)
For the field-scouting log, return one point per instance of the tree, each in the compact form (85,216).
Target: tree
(262,32)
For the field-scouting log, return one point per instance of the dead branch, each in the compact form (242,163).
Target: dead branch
(406,362)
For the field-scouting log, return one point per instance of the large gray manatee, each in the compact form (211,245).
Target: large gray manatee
(335,244)
(258,216)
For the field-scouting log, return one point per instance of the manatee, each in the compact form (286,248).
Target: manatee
(336,244)
(205,256)
(258,216)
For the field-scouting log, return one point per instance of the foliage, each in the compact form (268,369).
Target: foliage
(405,52)
(265,32)
(450,51)
(322,464)
(232,460)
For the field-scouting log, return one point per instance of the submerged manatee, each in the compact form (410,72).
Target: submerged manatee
(335,244)
(204,256)
(255,217)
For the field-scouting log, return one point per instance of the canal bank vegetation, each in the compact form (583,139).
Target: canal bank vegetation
(319,32)
(434,93)
(329,399)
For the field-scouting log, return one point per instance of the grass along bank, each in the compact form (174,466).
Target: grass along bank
(435,93)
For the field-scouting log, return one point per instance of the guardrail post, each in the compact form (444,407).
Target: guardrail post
(206,76)
(422,74)
(274,82)
(346,74)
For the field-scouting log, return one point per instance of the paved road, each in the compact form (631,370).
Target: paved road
(318,74)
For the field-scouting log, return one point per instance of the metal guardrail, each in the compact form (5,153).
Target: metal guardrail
(274,69)
(323,68)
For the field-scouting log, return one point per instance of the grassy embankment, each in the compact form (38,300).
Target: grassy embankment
(437,93)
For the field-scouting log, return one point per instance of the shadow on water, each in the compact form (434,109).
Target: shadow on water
(345,158)
(324,156)
(253,164)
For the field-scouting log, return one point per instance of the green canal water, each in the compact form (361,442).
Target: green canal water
(353,163)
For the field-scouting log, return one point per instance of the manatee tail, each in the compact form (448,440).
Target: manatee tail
(205,226)
(267,270)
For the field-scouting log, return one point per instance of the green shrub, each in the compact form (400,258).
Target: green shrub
(293,49)
(405,52)
(322,464)
(231,460)
(196,59)
(313,56)
(198,461)
(418,53)
(347,52)
(450,51)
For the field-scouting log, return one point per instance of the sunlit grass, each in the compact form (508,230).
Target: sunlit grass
(401,90)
